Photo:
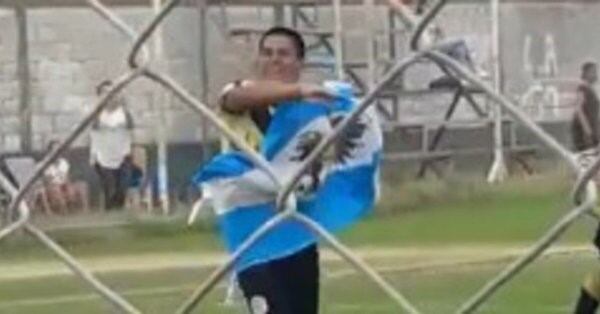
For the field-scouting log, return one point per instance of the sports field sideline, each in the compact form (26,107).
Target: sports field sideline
(438,249)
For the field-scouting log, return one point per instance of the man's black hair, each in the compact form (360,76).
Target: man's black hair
(587,66)
(288,32)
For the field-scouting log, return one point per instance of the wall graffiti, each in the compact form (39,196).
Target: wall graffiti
(543,99)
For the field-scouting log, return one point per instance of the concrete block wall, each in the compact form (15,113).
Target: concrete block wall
(72,50)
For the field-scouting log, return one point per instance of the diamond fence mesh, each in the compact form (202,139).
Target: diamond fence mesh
(140,65)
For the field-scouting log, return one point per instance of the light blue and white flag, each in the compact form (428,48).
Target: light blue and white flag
(339,189)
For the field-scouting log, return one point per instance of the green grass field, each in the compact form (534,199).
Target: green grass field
(438,242)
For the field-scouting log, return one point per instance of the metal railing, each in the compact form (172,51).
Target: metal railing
(140,65)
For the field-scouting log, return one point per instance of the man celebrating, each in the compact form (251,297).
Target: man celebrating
(279,273)
(290,284)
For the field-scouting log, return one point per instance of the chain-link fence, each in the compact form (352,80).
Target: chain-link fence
(584,193)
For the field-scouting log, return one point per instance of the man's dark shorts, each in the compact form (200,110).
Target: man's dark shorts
(285,286)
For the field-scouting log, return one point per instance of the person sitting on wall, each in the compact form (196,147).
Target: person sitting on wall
(64,195)
(434,36)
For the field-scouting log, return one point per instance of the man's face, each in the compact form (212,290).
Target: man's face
(278,59)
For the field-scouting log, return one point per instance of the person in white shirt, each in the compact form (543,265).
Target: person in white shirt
(110,148)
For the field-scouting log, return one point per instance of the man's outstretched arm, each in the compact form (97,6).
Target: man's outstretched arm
(247,95)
